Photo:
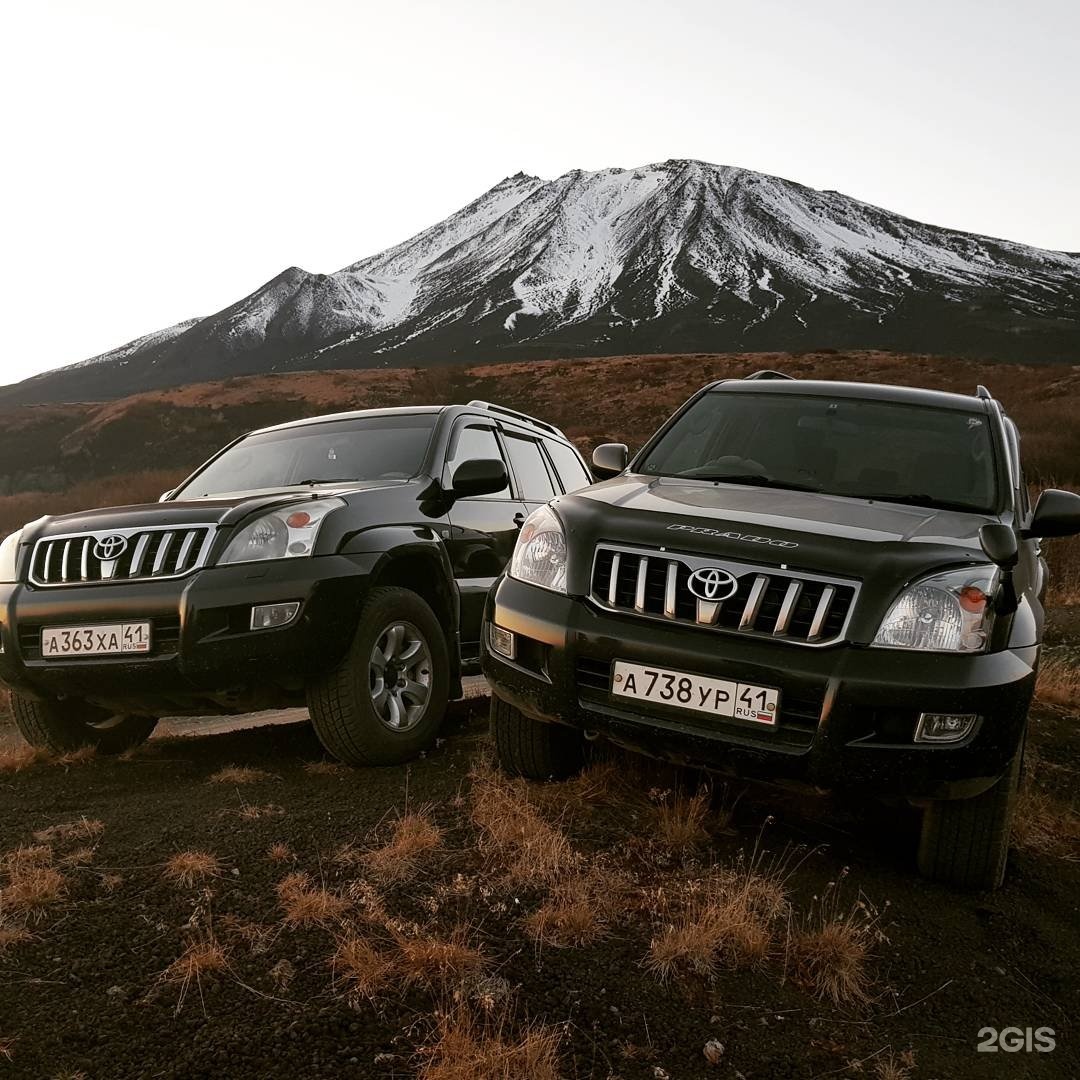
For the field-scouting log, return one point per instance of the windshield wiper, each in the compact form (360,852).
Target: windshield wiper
(756,479)
(928,501)
(328,480)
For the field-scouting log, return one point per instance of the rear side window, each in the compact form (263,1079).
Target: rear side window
(475,442)
(572,474)
(530,469)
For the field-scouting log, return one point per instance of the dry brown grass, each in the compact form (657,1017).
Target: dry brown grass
(1058,682)
(894,1067)
(830,953)
(16,758)
(83,756)
(1063,558)
(201,959)
(731,920)
(240,774)
(681,822)
(280,852)
(534,852)
(361,968)
(7,1048)
(325,768)
(306,904)
(30,888)
(579,910)
(465,1047)
(439,963)
(255,812)
(412,836)
(13,935)
(80,856)
(185,868)
(83,831)
(1045,825)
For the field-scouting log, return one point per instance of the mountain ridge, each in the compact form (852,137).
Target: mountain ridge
(675,256)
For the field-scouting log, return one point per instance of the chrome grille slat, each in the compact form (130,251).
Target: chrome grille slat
(140,553)
(154,551)
(787,608)
(753,602)
(777,602)
(821,613)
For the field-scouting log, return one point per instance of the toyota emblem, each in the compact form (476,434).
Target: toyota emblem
(713,584)
(109,548)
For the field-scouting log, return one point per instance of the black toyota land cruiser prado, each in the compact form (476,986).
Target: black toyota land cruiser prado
(825,582)
(342,561)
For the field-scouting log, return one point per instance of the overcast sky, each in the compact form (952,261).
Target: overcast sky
(162,160)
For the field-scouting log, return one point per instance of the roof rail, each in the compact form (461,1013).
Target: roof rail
(478,404)
(982,392)
(768,374)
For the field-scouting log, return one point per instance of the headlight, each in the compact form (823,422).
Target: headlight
(286,533)
(9,551)
(948,612)
(540,555)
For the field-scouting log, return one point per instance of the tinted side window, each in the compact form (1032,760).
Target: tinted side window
(572,474)
(530,469)
(473,442)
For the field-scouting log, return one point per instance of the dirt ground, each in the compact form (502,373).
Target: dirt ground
(91,989)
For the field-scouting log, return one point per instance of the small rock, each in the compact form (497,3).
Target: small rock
(713,1051)
(236,871)
(660,1074)
(115,991)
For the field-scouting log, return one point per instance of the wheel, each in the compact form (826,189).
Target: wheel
(61,726)
(965,842)
(532,748)
(385,701)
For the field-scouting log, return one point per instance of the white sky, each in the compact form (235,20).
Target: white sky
(162,160)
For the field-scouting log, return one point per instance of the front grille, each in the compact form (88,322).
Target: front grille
(164,641)
(791,606)
(120,555)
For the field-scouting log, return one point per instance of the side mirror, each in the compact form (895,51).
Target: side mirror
(1057,513)
(999,543)
(480,476)
(609,459)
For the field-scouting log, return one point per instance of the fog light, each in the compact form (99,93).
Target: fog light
(502,641)
(267,616)
(944,727)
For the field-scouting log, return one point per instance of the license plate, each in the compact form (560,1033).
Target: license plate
(679,689)
(110,639)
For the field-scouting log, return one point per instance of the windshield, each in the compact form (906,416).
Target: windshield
(367,448)
(861,448)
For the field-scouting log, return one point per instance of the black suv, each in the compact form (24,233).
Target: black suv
(826,582)
(342,561)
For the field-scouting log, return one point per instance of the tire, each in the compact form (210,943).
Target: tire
(965,842)
(63,726)
(532,748)
(353,716)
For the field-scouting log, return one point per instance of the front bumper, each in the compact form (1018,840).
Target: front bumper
(203,650)
(847,714)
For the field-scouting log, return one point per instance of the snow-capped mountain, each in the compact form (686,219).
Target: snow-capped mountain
(681,256)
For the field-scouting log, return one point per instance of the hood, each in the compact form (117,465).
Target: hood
(741,507)
(884,546)
(222,510)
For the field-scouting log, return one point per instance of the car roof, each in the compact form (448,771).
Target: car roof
(472,409)
(904,395)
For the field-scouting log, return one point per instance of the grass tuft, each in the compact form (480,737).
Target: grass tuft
(307,904)
(13,935)
(201,959)
(280,852)
(240,774)
(83,831)
(1045,825)
(464,1047)
(830,954)
(1058,682)
(361,968)
(16,758)
(579,909)
(185,868)
(412,835)
(325,768)
(439,963)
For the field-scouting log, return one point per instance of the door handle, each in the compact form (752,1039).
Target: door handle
(519,519)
